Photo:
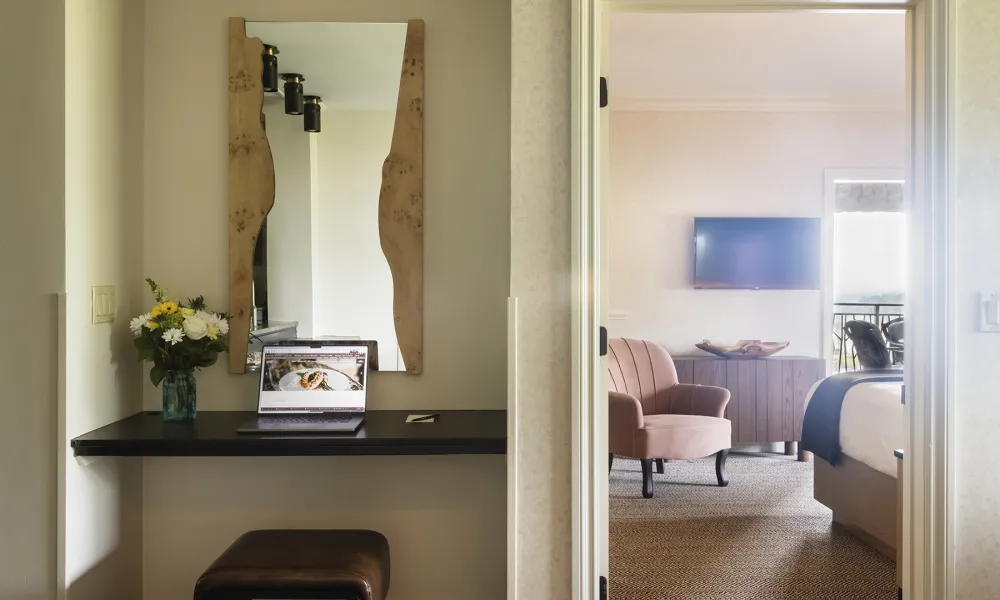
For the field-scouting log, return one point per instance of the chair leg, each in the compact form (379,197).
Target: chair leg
(611,461)
(720,467)
(659,466)
(647,477)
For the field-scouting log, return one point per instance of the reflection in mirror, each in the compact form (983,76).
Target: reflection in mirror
(319,269)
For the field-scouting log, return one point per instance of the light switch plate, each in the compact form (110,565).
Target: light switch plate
(617,315)
(103,304)
(989,313)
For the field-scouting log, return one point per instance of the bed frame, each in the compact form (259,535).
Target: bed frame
(863,500)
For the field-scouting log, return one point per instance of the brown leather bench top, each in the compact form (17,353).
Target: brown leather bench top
(301,560)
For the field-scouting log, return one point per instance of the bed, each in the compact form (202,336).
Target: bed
(861,489)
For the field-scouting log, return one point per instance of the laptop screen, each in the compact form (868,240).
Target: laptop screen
(305,379)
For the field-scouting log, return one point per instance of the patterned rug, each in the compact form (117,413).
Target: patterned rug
(761,538)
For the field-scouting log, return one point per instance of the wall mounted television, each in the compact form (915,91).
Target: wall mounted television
(757,253)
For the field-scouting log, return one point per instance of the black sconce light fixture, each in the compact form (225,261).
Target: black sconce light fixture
(293,93)
(269,74)
(311,121)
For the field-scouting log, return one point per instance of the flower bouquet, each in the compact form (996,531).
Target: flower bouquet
(178,338)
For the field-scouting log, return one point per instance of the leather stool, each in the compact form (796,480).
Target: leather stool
(290,563)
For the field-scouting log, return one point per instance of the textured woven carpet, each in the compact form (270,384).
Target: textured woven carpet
(761,538)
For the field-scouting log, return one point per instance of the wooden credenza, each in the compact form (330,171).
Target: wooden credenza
(768,394)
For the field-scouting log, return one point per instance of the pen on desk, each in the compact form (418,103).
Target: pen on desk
(425,418)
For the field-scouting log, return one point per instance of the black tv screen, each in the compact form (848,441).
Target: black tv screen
(756,253)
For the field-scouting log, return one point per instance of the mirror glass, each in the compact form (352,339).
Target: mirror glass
(319,269)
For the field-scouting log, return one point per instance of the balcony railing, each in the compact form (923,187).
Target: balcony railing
(845,358)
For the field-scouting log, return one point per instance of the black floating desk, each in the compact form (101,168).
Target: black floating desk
(384,432)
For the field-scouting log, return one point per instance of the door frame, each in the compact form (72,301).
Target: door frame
(928,498)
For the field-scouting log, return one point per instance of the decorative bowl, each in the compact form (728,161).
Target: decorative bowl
(744,348)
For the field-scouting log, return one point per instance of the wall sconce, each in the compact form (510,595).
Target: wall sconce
(269,74)
(293,93)
(311,119)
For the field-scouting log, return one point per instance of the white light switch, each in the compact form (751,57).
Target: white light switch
(104,303)
(989,317)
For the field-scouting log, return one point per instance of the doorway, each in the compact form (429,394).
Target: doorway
(925,511)
(864,261)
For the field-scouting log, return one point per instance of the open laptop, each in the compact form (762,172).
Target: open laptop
(313,388)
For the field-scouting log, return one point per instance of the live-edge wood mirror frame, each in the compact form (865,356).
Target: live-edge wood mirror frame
(401,198)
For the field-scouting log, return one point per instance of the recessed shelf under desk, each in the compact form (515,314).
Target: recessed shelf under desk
(384,432)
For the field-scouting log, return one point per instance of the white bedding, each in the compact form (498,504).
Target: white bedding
(871,424)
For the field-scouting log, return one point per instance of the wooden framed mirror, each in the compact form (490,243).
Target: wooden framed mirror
(326,210)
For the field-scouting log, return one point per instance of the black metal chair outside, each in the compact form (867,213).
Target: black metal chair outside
(869,345)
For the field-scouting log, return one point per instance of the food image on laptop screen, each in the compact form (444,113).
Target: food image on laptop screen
(335,375)
(324,374)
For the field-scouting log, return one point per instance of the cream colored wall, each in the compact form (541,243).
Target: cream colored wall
(32,261)
(103,523)
(977,379)
(669,167)
(354,285)
(445,517)
(539,278)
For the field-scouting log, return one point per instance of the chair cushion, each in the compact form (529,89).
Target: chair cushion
(681,437)
(301,560)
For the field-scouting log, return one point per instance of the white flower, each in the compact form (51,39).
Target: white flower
(174,336)
(212,319)
(139,322)
(195,327)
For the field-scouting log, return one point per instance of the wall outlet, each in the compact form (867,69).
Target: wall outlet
(103,304)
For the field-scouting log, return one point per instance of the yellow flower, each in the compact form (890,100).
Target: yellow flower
(212,331)
(157,310)
(170,307)
(187,312)
(153,325)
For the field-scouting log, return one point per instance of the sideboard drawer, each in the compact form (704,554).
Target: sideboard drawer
(768,394)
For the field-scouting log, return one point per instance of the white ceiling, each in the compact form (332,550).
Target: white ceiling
(351,65)
(718,57)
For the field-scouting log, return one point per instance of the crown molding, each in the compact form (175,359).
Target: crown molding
(756,104)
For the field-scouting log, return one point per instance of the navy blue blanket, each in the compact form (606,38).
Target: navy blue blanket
(821,424)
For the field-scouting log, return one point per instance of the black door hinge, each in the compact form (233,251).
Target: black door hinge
(604,92)
(603,343)
(604,588)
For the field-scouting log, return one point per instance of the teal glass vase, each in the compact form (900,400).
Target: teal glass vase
(180,396)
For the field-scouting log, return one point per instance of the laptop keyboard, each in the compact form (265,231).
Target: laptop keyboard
(304,420)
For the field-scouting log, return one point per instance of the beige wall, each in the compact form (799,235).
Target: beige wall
(977,380)
(103,535)
(445,517)
(539,279)
(669,167)
(32,265)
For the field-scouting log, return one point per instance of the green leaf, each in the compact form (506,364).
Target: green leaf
(157,373)
(197,303)
(146,348)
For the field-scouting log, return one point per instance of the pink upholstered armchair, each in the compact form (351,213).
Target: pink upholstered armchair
(652,417)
